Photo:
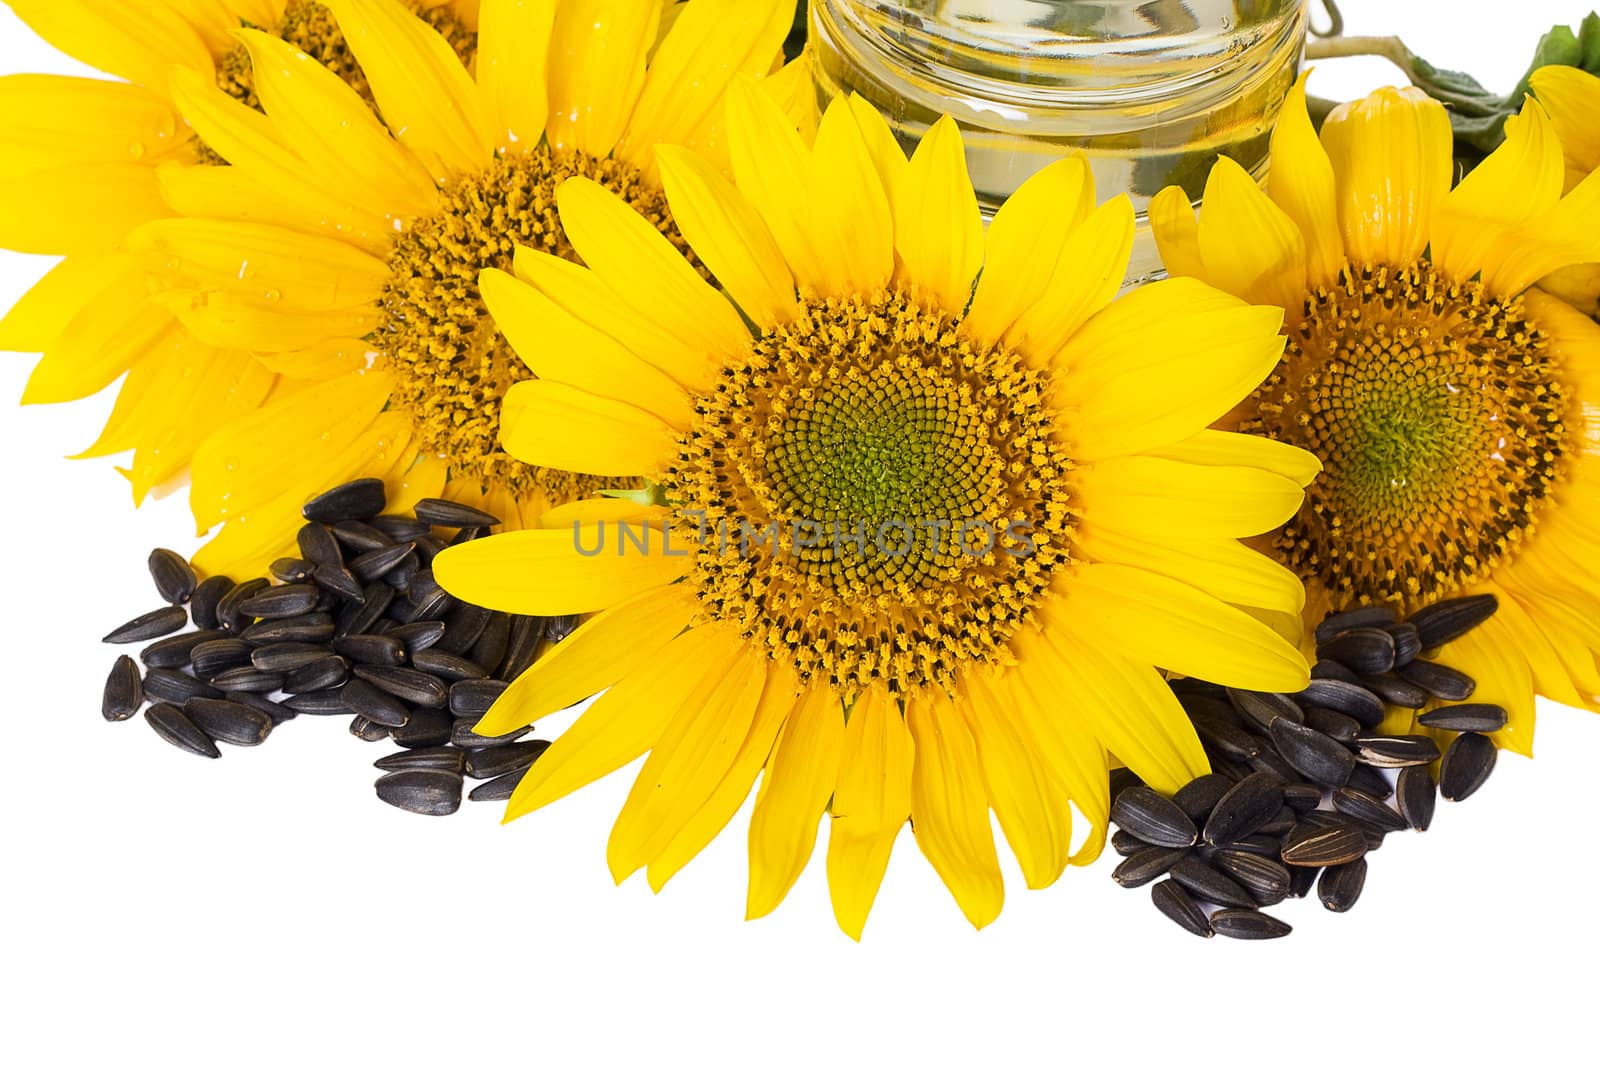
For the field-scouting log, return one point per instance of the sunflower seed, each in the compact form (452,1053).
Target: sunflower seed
(1375,616)
(1324,842)
(207,595)
(1407,751)
(229,722)
(427,548)
(412,686)
(422,792)
(426,728)
(399,577)
(1198,797)
(271,709)
(1363,807)
(1146,865)
(318,545)
(337,579)
(1210,884)
(1302,880)
(1341,728)
(499,788)
(522,646)
(474,697)
(1231,741)
(281,602)
(462,733)
(176,728)
(321,702)
(210,658)
(503,759)
(124,691)
(401,528)
(442,758)
(174,652)
(416,636)
(1261,709)
(1173,901)
(291,570)
(360,499)
(378,650)
(175,579)
(1340,887)
(1316,756)
(1365,651)
(367,730)
(1371,781)
(436,512)
(373,704)
(1243,924)
(363,617)
(1125,844)
(1467,764)
(1332,670)
(175,687)
(1439,624)
(1344,697)
(1467,718)
(248,680)
(463,626)
(149,626)
(302,629)
(433,605)
(1407,643)
(489,650)
(1265,878)
(328,673)
(372,565)
(287,656)
(360,537)
(1153,818)
(1282,821)
(1301,796)
(1393,689)
(1267,761)
(1445,683)
(1417,796)
(1268,845)
(450,668)
(229,617)
(559,628)
(1244,809)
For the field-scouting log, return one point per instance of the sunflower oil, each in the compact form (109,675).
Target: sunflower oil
(1151,92)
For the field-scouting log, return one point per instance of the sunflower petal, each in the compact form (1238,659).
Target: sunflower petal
(1572,97)
(795,788)
(550,424)
(1177,233)
(139,42)
(950,808)
(938,227)
(1087,275)
(513,65)
(849,207)
(1301,182)
(772,166)
(1139,493)
(597,69)
(871,802)
(1251,247)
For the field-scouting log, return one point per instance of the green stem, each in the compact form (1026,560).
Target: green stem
(1390,48)
(1335,21)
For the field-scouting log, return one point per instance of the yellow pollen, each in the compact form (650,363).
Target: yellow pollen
(1440,418)
(451,365)
(871,498)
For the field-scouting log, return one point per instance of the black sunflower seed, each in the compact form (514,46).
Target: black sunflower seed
(1281,822)
(328,673)
(412,686)
(1341,728)
(1346,698)
(416,636)
(1264,877)
(149,626)
(229,722)
(1302,880)
(1262,708)
(427,548)
(1195,799)
(318,545)
(175,580)
(366,730)
(378,650)
(1146,865)
(291,569)
(560,627)
(463,626)
(442,758)
(124,691)
(1467,764)
(489,650)
(301,629)
(503,759)
(1173,901)
(176,651)
(1120,778)
(248,680)
(338,580)
(321,702)
(1407,751)
(360,499)
(426,728)
(1371,781)
(1302,796)
(1324,843)
(229,617)
(1332,670)
(522,647)
(175,687)
(401,528)
(1125,844)
(1231,741)
(463,734)
(1375,616)
(433,605)
(1243,924)
(1417,797)
(287,656)
(474,697)
(1366,808)
(207,596)
(451,668)
(211,658)
(370,566)
(1267,761)
(470,533)
(176,728)
(1340,887)
(373,704)
(1153,818)
(1445,683)
(1316,756)
(1439,624)
(1210,884)
(422,792)
(1467,718)
(1407,643)
(1393,689)
(271,709)
(1244,809)
(499,788)
(360,537)
(436,512)
(1365,651)
(363,616)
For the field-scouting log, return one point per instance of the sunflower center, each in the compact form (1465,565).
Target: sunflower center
(1439,416)
(451,366)
(873,499)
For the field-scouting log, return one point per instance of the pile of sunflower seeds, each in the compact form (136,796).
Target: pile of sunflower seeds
(354,626)
(1303,786)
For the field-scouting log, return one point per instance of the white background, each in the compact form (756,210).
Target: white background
(266,907)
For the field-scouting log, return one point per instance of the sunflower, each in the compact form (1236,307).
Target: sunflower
(916,550)
(350,254)
(1572,97)
(1452,405)
(80,166)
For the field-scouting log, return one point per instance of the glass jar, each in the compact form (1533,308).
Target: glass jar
(1151,92)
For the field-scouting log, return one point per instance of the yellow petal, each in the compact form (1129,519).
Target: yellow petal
(232,320)
(426,96)
(139,42)
(559,572)
(795,788)
(550,424)
(938,227)
(887,156)
(871,802)
(1250,246)
(513,64)
(950,808)
(77,209)
(1163,363)
(48,122)
(1177,233)
(629,718)
(597,69)
(1393,158)
(329,359)
(1218,448)
(1225,569)
(1564,236)
(1572,97)
(849,208)
(43,313)
(1490,656)
(773,168)
(729,236)
(598,656)
(1138,493)
(114,328)
(1087,275)
(1301,182)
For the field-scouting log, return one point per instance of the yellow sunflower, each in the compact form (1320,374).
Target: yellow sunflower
(1572,97)
(916,550)
(1452,405)
(347,250)
(80,161)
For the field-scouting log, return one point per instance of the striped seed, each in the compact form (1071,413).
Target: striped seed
(373,704)
(1173,901)
(359,537)
(327,673)
(426,728)
(1231,741)
(503,759)
(207,596)
(463,626)
(211,658)
(1244,809)
(370,566)
(401,528)
(363,617)
(175,687)
(1365,651)
(1264,877)
(149,626)
(301,629)
(489,650)
(1146,865)
(229,617)
(416,636)
(522,646)
(1467,718)
(436,512)
(1439,624)
(1375,616)
(1467,764)
(175,580)
(288,656)
(1445,683)
(1407,751)
(1153,818)
(176,728)
(124,691)
(421,792)
(1341,728)
(1346,698)
(1210,884)
(1393,689)
(474,697)
(318,545)
(249,680)
(499,788)
(367,730)
(338,580)
(377,650)
(360,499)
(1371,781)
(1262,708)
(1316,756)
(291,570)
(1268,845)
(449,667)
(1417,797)
(1245,925)
(1363,807)
(462,733)
(176,651)
(1340,887)
(1324,843)
(412,686)
(442,758)
(1198,798)
(229,722)
(1407,643)
(323,702)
